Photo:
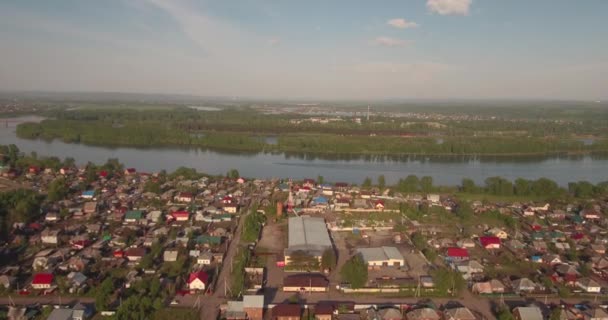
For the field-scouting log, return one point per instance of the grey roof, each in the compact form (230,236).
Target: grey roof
(60,314)
(529,313)
(459,314)
(253,301)
(308,234)
(380,254)
(235,306)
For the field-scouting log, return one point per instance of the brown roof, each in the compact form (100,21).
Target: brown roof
(286,310)
(324,309)
(135,252)
(305,280)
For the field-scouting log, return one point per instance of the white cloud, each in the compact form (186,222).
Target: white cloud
(389,42)
(418,68)
(401,23)
(274,41)
(449,7)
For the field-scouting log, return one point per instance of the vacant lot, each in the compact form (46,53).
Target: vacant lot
(270,248)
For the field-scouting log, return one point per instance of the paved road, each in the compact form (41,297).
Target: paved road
(209,305)
(49,299)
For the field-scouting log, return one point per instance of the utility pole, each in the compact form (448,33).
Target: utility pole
(368,106)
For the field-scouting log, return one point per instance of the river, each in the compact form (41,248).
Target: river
(445,170)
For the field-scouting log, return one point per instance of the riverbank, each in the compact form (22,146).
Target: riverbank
(445,170)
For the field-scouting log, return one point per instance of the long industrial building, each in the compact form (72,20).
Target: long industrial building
(309,235)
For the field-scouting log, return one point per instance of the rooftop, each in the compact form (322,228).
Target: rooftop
(309,234)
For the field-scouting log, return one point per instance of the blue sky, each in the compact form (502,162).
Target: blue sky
(429,49)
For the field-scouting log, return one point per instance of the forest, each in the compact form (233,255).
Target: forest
(246,129)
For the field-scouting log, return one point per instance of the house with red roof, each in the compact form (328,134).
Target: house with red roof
(180,215)
(42,280)
(490,242)
(130,171)
(198,280)
(379,205)
(184,197)
(457,254)
(310,183)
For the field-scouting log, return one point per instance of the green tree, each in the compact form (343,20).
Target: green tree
(233,174)
(320,179)
(556,314)
(468,186)
(503,313)
(381,181)
(411,183)
(367,183)
(354,272)
(426,184)
(58,189)
(328,260)
(103,294)
(522,187)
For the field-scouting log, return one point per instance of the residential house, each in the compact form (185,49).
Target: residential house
(8,282)
(469,268)
(528,313)
(382,257)
(180,216)
(235,311)
(89,194)
(589,285)
(305,282)
(89,207)
(286,311)
(489,287)
(456,254)
(465,243)
(198,280)
(230,208)
(379,205)
(552,259)
(184,197)
(598,248)
(135,254)
(490,242)
(204,258)
(524,285)
(76,279)
(253,305)
(423,314)
(48,236)
(461,313)
(499,233)
(42,280)
(51,217)
(208,240)
(134,216)
(596,313)
(324,311)
(75,313)
(170,255)
(389,313)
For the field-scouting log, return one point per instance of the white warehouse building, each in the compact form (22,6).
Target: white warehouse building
(382,257)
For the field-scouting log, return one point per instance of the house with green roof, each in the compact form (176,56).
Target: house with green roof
(134,216)
(208,240)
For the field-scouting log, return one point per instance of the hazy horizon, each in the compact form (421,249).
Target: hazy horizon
(341,50)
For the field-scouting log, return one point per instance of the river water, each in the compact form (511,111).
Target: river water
(448,170)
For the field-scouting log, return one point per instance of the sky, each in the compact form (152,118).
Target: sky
(351,49)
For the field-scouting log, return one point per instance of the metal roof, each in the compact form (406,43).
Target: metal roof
(380,254)
(308,233)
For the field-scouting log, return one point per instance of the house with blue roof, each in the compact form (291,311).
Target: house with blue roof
(320,202)
(89,194)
